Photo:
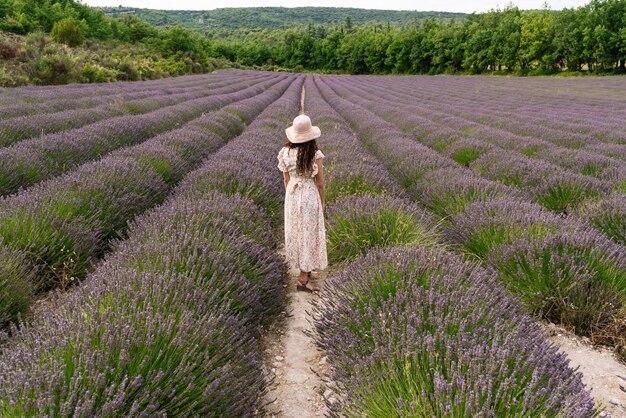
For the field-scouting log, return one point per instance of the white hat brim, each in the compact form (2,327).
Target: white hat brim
(299,138)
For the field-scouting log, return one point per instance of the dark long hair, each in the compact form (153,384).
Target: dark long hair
(306,155)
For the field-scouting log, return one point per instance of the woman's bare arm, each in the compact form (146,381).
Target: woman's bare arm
(319,179)
(286,178)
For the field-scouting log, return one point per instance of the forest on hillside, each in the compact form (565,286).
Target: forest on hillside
(63,41)
(234,18)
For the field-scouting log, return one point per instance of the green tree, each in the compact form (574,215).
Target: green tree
(536,46)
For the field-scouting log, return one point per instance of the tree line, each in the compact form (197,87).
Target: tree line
(591,37)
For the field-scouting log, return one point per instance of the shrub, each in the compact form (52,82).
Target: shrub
(128,71)
(93,73)
(55,67)
(446,192)
(485,225)
(576,279)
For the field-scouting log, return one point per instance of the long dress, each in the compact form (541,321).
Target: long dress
(305,232)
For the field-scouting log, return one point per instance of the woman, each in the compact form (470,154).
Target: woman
(303,173)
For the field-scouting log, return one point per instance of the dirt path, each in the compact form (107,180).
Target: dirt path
(294,360)
(291,356)
(602,373)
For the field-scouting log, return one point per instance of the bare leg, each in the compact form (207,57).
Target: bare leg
(304,284)
(303,278)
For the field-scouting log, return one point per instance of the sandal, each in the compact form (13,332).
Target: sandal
(306,287)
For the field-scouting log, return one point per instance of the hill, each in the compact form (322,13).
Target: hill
(274,17)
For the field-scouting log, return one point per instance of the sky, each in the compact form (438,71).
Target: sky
(421,5)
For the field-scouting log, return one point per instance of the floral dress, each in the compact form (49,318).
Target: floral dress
(305,233)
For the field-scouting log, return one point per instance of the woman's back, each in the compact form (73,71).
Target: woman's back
(287,160)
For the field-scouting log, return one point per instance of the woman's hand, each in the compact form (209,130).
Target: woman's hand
(319,180)
(286,178)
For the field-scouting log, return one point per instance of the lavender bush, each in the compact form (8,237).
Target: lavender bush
(357,224)
(16,278)
(446,192)
(609,216)
(418,332)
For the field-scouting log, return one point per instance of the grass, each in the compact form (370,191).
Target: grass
(466,156)
(385,222)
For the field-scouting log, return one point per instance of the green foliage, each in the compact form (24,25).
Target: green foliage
(564,197)
(69,31)
(466,155)
(508,41)
(102,48)
(591,38)
(351,186)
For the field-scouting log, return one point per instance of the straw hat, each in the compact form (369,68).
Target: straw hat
(302,131)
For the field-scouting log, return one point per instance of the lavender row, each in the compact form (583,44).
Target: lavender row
(399,321)
(357,185)
(204,261)
(349,168)
(449,191)
(32,161)
(524,108)
(51,93)
(586,162)
(62,225)
(21,128)
(550,186)
(65,100)
(471,139)
(587,132)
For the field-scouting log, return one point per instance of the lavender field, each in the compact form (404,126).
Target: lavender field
(140,228)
